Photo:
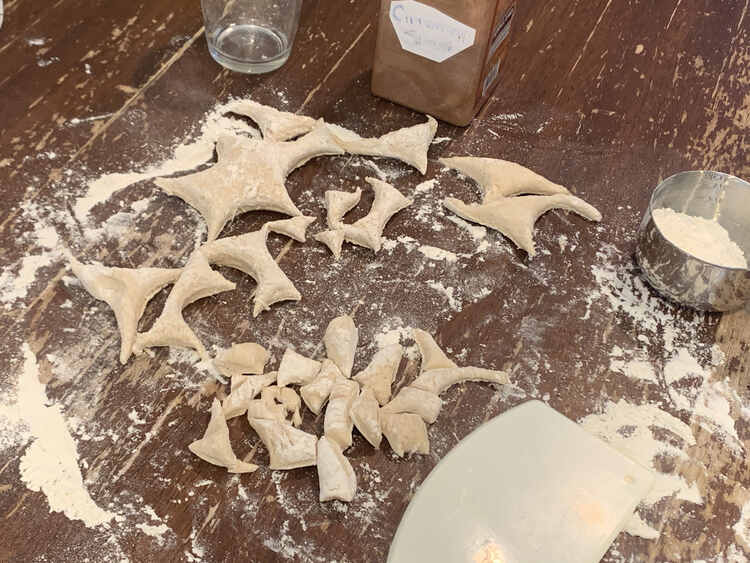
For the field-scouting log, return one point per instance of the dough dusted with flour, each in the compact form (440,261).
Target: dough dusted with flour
(410,399)
(215,447)
(127,291)
(316,393)
(338,424)
(406,433)
(275,125)
(340,339)
(249,254)
(249,176)
(365,414)
(241,358)
(288,447)
(439,380)
(409,144)
(245,391)
(296,369)
(196,281)
(379,374)
(516,216)
(432,356)
(336,477)
(367,231)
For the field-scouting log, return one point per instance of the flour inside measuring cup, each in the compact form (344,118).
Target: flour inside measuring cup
(703,238)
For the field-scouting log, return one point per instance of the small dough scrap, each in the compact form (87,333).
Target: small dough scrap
(418,401)
(266,410)
(381,371)
(340,339)
(515,216)
(333,239)
(215,447)
(338,424)
(242,393)
(316,393)
(275,125)
(365,414)
(368,231)
(439,380)
(405,432)
(249,254)
(291,402)
(296,369)
(501,178)
(294,228)
(409,144)
(339,204)
(335,474)
(288,447)
(197,281)
(432,356)
(241,358)
(127,291)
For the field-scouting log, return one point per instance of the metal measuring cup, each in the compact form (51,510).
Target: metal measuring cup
(681,276)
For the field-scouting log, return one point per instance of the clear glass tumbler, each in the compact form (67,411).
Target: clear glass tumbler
(251,36)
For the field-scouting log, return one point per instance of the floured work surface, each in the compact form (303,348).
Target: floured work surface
(575,327)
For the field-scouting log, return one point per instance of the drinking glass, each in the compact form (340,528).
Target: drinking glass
(251,36)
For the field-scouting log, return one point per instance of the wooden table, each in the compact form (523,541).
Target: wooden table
(605,96)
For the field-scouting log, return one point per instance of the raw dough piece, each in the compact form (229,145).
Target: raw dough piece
(515,216)
(502,178)
(242,393)
(408,145)
(381,371)
(249,176)
(418,401)
(215,448)
(316,393)
(197,281)
(296,369)
(266,410)
(338,424)
(406,433)
(275,125)
(368,231)
(335,474)
(339,204)
(291,402)
(333,239)
(432,356)
(340,340)
(249,254)
(365,414)
(294,228)
(288,447)
(438,380)
(126,291)
(241,358)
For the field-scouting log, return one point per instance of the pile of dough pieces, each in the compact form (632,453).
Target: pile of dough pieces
(249,175)
(363,402)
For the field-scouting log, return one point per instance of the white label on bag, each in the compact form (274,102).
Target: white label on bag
(428,32)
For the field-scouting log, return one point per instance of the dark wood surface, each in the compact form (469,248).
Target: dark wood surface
(589,108)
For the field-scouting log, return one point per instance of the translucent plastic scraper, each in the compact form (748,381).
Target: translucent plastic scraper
(529,486)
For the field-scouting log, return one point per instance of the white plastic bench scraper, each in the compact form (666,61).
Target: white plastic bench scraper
(530,486)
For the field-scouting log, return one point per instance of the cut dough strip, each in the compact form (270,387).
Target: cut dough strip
(127,291)
(409,144)
(249,254)
(196,281)
(335,474)
(215,447)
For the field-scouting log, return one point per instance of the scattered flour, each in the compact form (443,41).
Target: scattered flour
(703,238)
